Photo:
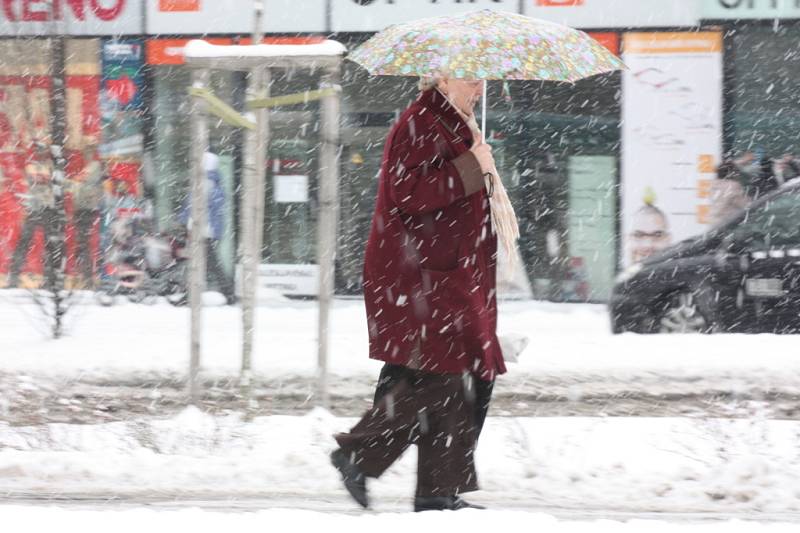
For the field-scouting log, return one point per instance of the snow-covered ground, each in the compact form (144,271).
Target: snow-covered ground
(566,466)
(569,344)
(200,521)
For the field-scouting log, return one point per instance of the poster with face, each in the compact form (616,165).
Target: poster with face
(671,137)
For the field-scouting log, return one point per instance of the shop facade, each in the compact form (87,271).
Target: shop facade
(592,168)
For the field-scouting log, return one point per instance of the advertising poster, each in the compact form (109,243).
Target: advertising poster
(671,137)
(122,113)
(592,217)
(25,114)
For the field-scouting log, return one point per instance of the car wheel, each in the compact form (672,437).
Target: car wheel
(683,313)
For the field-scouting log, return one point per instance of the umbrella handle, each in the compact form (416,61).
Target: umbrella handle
(483,112)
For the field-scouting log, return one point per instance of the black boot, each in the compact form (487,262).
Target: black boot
(354,480)
(442,503)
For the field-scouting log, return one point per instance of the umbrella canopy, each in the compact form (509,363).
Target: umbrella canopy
(485,45)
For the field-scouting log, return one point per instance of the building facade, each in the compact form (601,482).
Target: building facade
(600,173)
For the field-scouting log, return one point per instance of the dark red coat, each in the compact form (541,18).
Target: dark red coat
(429,269)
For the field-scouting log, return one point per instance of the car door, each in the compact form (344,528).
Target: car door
(768,241)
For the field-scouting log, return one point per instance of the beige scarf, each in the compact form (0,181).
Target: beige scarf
(504,220)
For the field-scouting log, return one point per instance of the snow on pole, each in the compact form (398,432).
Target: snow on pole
(197,245)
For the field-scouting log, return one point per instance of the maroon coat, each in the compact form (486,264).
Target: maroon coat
(429,269)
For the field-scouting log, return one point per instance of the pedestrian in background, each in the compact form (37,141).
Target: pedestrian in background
(728,196)
(87,199)
(215,226)
(429,290)
(39,211)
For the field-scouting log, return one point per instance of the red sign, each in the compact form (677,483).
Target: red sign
(41,10)
(608,39)
(559,3)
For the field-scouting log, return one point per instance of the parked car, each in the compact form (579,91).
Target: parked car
(741,276)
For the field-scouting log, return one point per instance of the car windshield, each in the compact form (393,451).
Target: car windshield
(773,222)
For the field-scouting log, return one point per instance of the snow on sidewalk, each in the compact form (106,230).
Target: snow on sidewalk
(628,464)
(198,521)
(570,344)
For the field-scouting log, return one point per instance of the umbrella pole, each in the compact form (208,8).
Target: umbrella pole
(483,112)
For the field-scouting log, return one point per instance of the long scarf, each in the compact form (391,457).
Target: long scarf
(504,220)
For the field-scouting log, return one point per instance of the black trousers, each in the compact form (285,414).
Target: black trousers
(482,391)
(434,411)
(41,218)
(215,270)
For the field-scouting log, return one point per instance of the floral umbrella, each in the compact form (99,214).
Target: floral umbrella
(485,45)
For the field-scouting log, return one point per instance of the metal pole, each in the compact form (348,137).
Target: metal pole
(197,243)
(483,112)
(326,229)
(253,211)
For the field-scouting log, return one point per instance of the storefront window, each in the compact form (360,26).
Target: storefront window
(762,88)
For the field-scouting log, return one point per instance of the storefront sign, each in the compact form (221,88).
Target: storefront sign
(291,280)
(615,13)
(211,17)
(71,17)
(671,137)
(378,14)
(290,188)
(178,5)
(607,39)
(170,51)
(751,9)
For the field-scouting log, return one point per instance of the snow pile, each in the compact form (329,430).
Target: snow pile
(636,464)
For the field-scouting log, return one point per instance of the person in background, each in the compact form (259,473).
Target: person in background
(214,230)
(39,213)
(87,199)
(786,169)
(727,194)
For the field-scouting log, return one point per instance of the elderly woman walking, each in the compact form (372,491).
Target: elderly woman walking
(429,290)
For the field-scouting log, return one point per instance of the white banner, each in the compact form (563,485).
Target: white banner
(751,9)
(214,17)
(76,17)
(671,137)
(290,280)
(375,15)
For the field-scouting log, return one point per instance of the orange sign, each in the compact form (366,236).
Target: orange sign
(170,51)
(178,5)
(559,3)
(607,39)
(673,42)
(311,39)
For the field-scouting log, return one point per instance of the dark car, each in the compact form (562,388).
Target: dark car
(741,276)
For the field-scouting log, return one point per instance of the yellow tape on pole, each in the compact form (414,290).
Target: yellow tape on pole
(292,99)
(222,110)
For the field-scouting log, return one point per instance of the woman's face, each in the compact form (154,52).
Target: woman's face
(463,93)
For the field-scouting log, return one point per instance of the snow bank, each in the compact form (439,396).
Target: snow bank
(632,464)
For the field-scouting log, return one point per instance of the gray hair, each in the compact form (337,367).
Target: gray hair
(429,82)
